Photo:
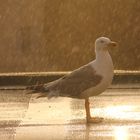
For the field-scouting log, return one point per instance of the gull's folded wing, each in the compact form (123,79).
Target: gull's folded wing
(73,84)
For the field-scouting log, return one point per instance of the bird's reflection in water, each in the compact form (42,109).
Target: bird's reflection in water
(121,133)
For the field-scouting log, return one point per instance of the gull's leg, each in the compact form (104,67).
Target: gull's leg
(88,116)
(87,107)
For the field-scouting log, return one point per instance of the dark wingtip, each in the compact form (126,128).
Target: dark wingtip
(29,88)
(35,87)
(41,96)
(32,92)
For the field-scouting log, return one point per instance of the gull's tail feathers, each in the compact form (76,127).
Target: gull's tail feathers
(38,88)
(42,90)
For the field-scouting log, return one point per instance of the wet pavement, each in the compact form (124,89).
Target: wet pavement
(25,117)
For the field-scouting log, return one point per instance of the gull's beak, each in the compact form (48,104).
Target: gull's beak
(112,44)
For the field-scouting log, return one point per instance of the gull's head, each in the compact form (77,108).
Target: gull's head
(103,43)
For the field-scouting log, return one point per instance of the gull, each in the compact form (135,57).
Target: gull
(89,80)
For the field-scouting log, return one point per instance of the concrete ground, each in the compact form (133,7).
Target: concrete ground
(25,117)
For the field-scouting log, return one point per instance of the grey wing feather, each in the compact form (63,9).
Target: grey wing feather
(75,83)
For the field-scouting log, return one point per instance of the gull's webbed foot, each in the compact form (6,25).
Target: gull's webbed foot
(95,120)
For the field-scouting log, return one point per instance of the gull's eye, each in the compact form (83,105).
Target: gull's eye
(102,41)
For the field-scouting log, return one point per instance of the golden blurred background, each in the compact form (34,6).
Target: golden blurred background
(59,35)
